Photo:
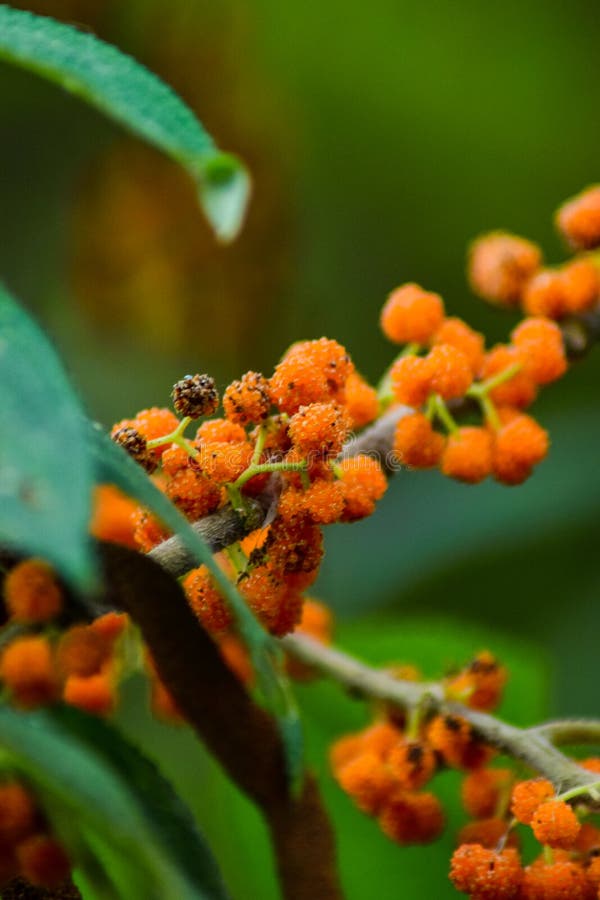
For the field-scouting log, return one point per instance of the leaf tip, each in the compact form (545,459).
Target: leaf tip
(225,188)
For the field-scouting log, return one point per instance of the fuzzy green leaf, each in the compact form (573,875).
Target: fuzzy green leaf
(45,474)
(126,829)
(127,92)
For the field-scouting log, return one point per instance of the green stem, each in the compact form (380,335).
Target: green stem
(481,388)
(259,468)
(548,855)
(260,444)
(490,412)
(443,413)
(237,557)
(590,789)
(175,437)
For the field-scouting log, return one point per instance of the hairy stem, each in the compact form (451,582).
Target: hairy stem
(531,746)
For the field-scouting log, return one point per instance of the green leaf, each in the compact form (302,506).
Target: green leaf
(113,465)
(123,823)
(45,473)
(128,93)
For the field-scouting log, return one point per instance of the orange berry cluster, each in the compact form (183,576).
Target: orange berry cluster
(487,862)
(27,848)
(384,767)
(455,368)
(508,270)
(78,665)
(290,428)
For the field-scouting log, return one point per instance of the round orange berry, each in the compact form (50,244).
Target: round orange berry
(27,670)
(581,285)
(554,823)
(560,880)
(416,444)
(467,455)
(94,694)
(17,812)
(486,873)
(310,372)
(409,818)
(413,763)
(519,389)
(578,219)
(206,601)
(458,334)
(541,350)
(362,404)
(411,380)
(527,796)
(500,265)
(411,315)
(247,400)
(363,483)
(482,790)
(367,780)
(31,592)
(82,651)
(518,446)
(450,371)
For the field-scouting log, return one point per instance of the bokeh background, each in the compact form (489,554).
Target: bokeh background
(381,138)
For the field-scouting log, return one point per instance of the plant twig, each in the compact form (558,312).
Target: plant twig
(529,745)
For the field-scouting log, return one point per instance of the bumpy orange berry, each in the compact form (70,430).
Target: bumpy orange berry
(224,462)
(480,684)
(454,740)
(412,763)
(206,601)
(381,738)
(43,861)
(324,501)
(527,796)
(319,429)
(482,790)
(450,371)
(364,483)
(148,531)
(541,350)
(27,670)
(554,823)
(578,219)
(410,380)
(467,455)
(193,492)
(367,780)
(310,372)
(409,818)
(112,518)
(362,404)
(560,880)
(344,750)
(544,295)
(500,265)
(458,334)
(588,840)
(487,832)
(581,285)
(221,431)
(82,651)
(519,390)
(95,694)
(247,400)
(416,444)
(151,423)
(486,873)
(31,592)
(519,445)
(411,315)
(17,812)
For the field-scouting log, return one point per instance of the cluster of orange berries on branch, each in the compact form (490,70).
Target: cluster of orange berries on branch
(384,767)
(27,848)
(286,433)
(41,662)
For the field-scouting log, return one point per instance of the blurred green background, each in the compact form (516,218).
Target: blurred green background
(382,138)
